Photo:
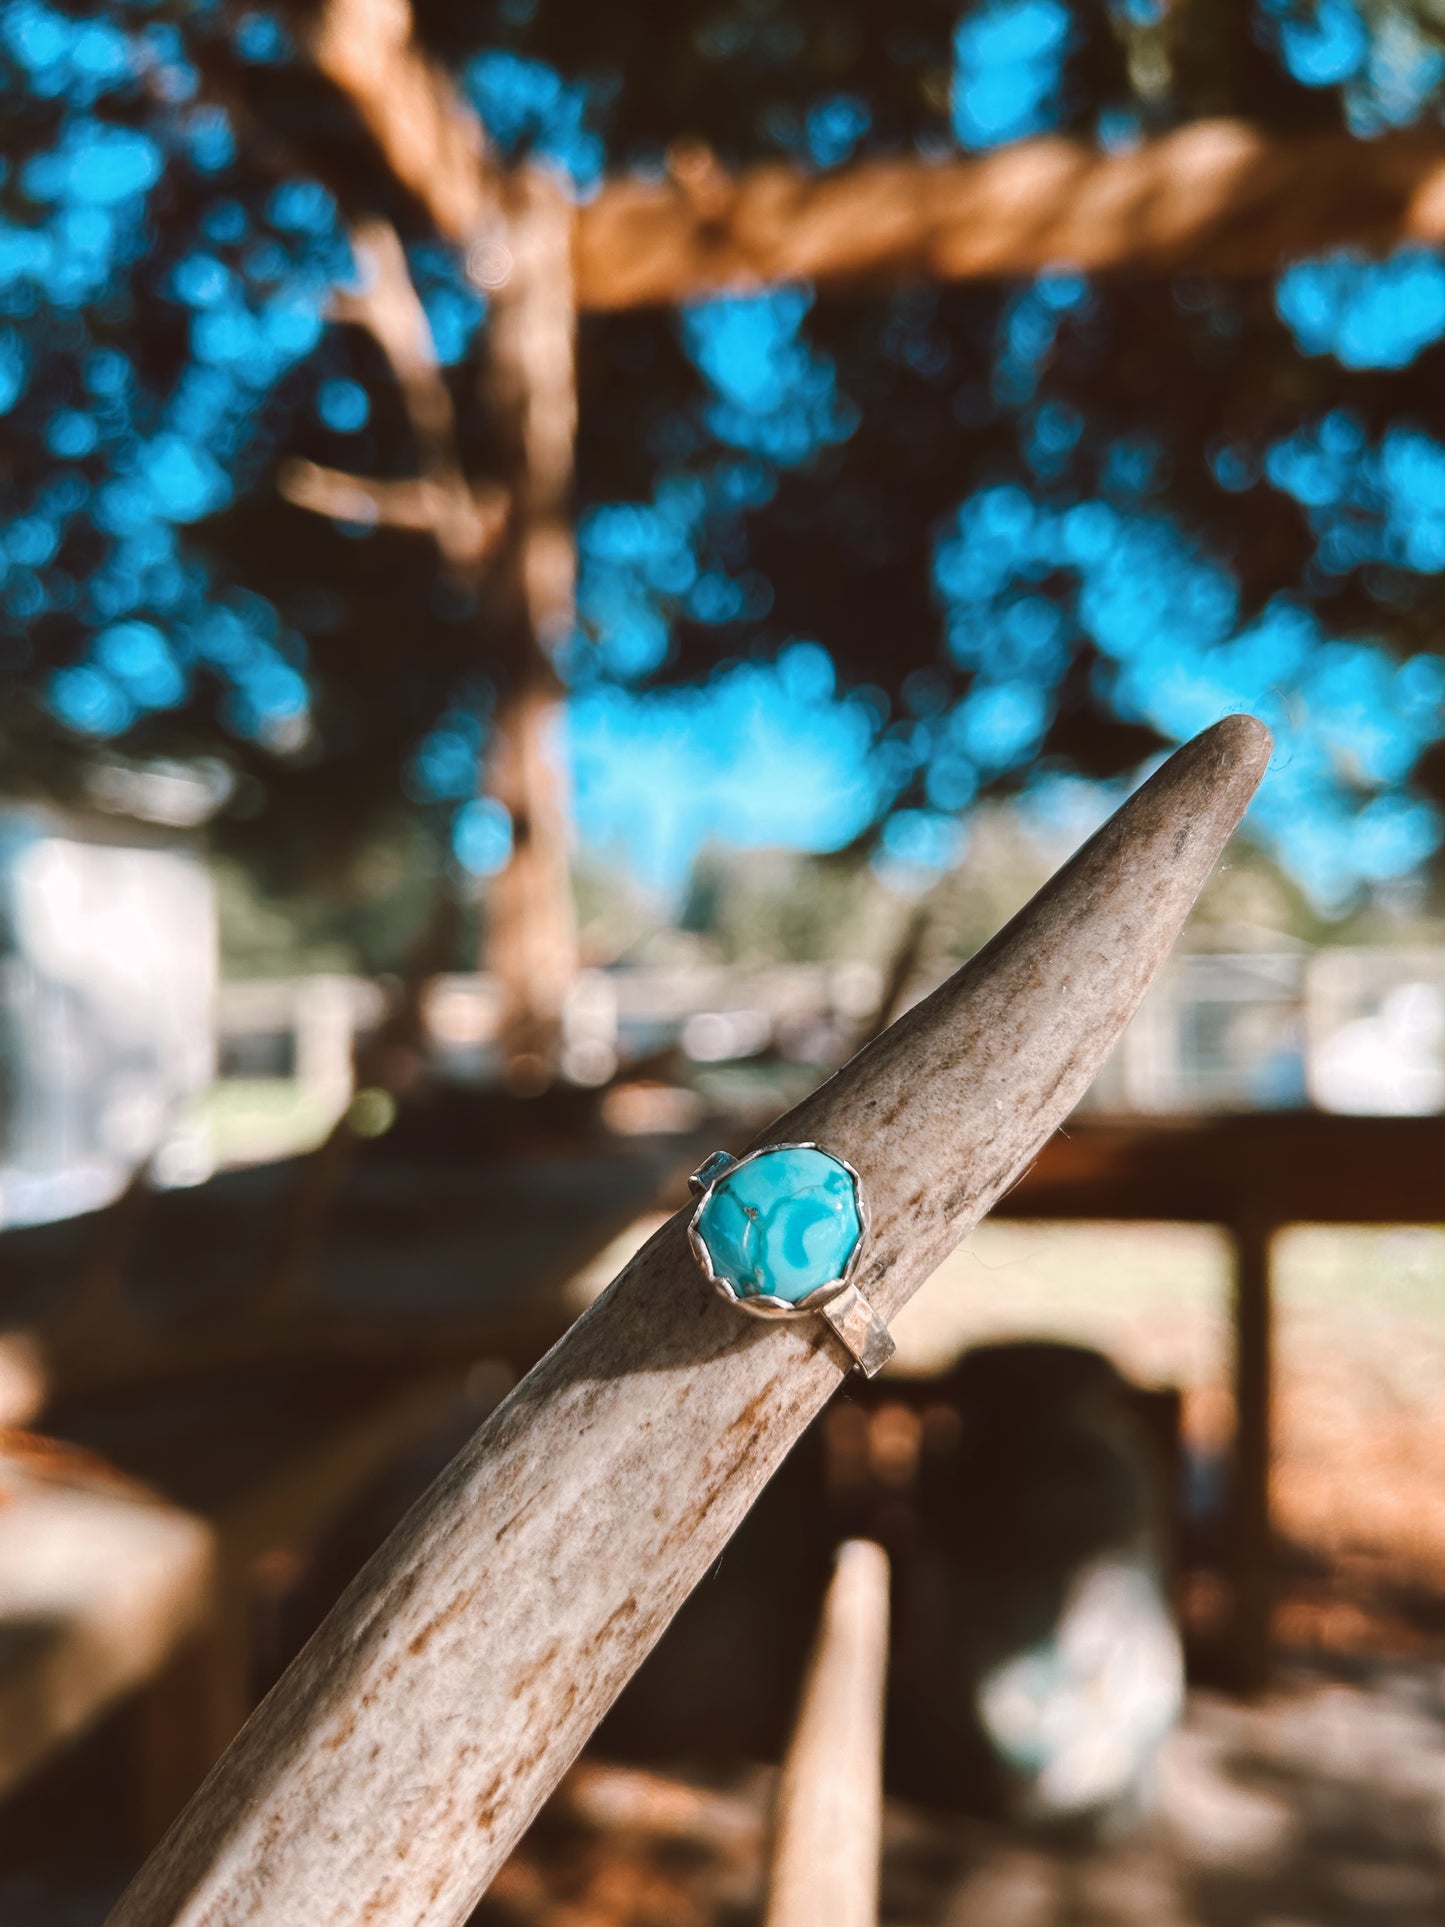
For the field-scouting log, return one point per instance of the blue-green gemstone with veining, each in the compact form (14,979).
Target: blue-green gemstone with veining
(782,1224)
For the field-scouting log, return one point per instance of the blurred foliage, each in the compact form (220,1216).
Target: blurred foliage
(784,907)
(845,566)
(366,917)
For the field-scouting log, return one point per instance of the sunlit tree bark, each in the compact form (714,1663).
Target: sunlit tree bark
(532,943)
(1214,197)
(512,540)
(432,140)
(1217,197)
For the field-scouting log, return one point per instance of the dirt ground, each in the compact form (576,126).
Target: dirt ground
(1323,1806)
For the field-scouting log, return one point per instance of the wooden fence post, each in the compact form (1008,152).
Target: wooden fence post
(829,1824)
(1252,1533)
(397,1762)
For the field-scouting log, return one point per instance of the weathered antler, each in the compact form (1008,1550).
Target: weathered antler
(397,1762)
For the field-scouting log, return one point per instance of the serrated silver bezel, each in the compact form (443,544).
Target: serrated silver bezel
(764,1307)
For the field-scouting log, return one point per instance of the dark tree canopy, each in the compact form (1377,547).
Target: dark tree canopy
(985,534)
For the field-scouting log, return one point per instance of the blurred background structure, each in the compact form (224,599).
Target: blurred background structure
(559,566)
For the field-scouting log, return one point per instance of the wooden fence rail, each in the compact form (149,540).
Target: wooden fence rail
(397,1762)
(829,1824)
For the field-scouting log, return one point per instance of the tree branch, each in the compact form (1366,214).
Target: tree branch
(432,140)
(1217,197)
(465,523)
(385,302)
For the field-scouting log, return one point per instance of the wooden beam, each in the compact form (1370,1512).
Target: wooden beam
(394,1766)
(521,1305)
(1252,1578)
(1216,197)
(1282,1167)
(829,1825)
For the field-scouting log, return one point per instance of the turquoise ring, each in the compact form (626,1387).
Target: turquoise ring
(780,1232)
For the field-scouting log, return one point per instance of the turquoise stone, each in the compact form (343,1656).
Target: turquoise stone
(782,1224)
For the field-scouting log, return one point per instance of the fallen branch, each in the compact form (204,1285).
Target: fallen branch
(400,1758)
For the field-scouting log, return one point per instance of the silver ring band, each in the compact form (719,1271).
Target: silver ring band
(861,1329)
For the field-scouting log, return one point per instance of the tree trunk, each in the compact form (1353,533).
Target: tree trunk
(531,924)
(531,940)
